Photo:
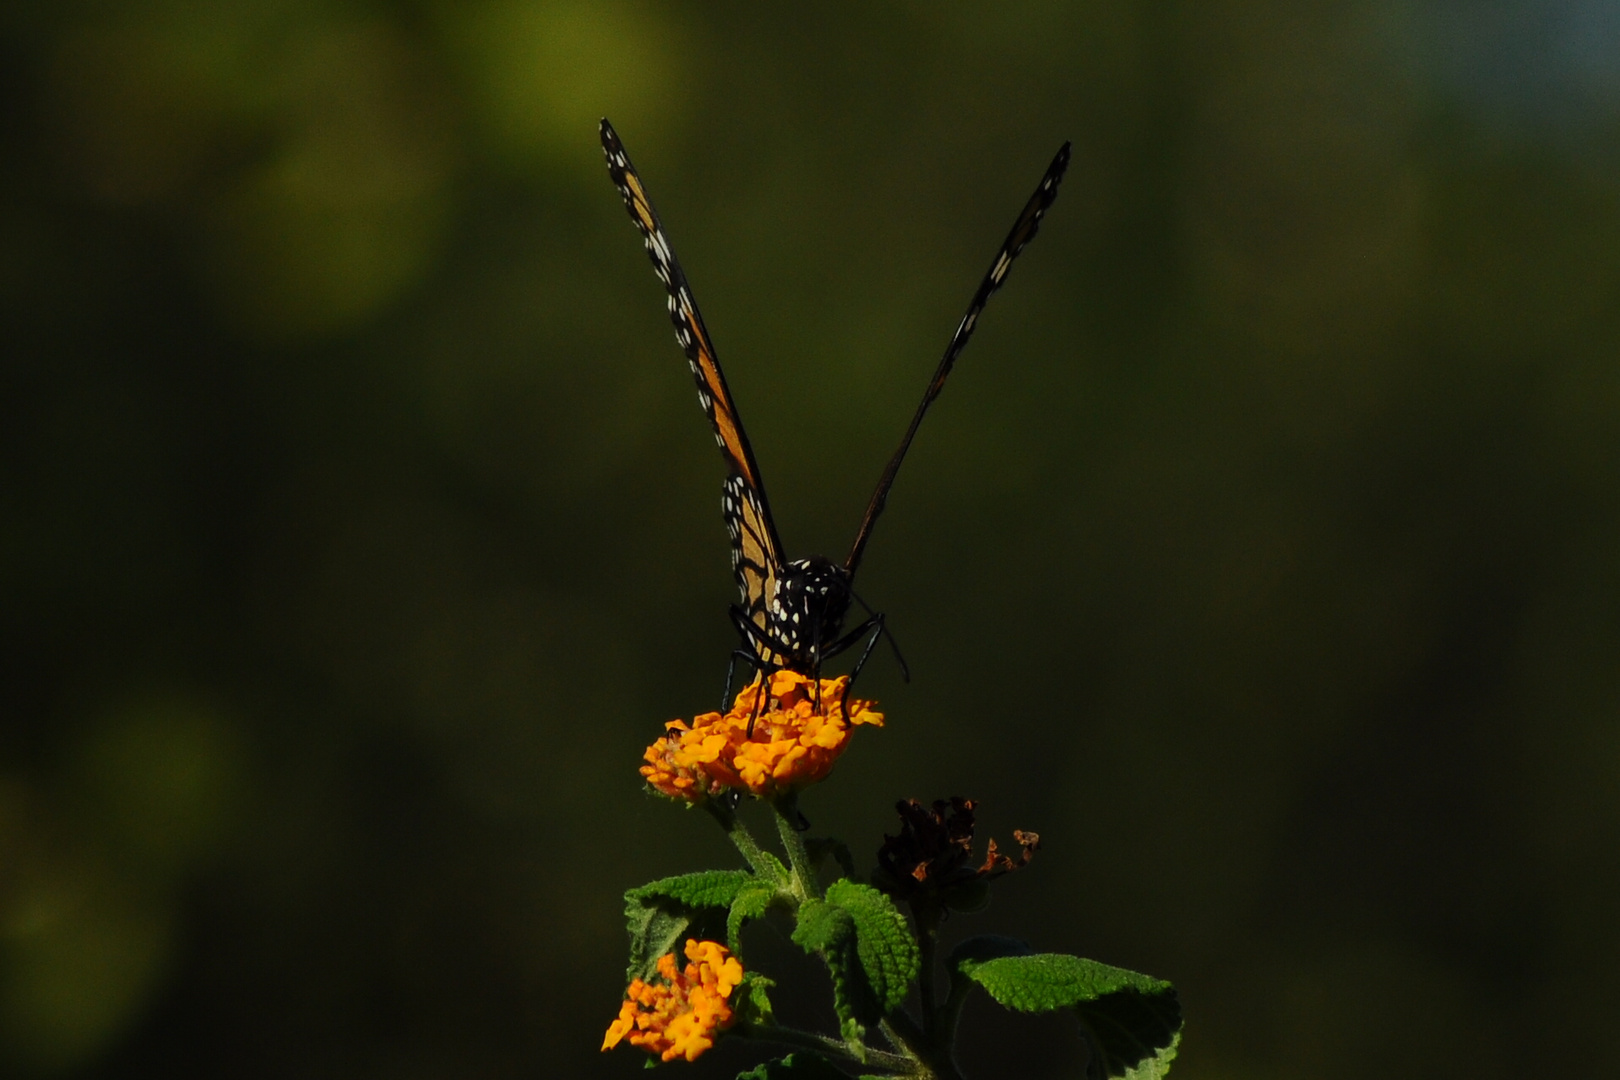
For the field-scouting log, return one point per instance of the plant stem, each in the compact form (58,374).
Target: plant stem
(945,1031)
(928,947)
(787,812)
(895,1064)
(932,1059)
(742,839)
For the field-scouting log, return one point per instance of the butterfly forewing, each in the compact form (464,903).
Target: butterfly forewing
(756,557)
(713,394)
(1022,232)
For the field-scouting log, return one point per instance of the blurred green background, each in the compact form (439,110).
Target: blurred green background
(358,526)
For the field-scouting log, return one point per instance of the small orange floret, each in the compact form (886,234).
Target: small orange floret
(793,742)
(678,1014)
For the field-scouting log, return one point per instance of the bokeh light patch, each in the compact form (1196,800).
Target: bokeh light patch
(540,72)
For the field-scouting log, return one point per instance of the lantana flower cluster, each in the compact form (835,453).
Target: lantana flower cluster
(795,740)
(679,1014)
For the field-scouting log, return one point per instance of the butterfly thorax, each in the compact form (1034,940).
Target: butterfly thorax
(807,612)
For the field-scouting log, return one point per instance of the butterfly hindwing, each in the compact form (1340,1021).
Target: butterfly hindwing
(755,559)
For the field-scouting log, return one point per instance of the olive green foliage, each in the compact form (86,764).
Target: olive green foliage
(663,914)
(794,1067)
(1132,1021)
(358,527)
(881,964)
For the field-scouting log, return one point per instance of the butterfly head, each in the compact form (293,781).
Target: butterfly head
(812,597)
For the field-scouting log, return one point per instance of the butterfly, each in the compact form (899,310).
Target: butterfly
(791,613)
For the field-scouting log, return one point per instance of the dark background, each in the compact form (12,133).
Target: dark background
(358,527)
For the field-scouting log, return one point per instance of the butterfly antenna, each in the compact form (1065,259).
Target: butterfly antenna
(1023,231)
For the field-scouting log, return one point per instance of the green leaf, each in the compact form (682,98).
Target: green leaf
(884,944)
(1041,982)
(1131,1020)
(829,931)
(707,888)
(984,947)
(799,1065)
(754,1005)
(1132,1034)
(661,913)
(654,931)
(749,903)
(822,846)
(1150,1068)
(776,866)
(822,926)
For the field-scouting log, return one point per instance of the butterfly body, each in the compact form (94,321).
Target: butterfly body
(807,613)
(791,614)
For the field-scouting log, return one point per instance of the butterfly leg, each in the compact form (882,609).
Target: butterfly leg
(760,699)
(871,643)
(815,666)
(731,670)
(873,626)
(758,645)
(905,671)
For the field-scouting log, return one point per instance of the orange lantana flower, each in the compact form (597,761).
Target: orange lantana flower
(793,744)
(679,1015)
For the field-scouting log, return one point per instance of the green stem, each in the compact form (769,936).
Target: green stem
(894,1064)
(944,1031)
(927,946)
(927,916)
(804,875)
(742,839)
(931,1059)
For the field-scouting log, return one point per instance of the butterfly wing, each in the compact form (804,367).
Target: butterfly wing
(755,562)
(756,558)
(1023,231)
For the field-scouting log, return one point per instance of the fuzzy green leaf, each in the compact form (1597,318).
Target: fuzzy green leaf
(1131,1020)
(883,941)
(654,931)
(754,1004)
(981,948)
(821,847)
(1040,982)
(749,903)
(1133,1034)
(799,1065)
(1153,1068)
(706,888)
(829,931)
(661,913)
(777,867)
(822,926)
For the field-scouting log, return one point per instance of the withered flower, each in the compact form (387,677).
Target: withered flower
(930,864)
